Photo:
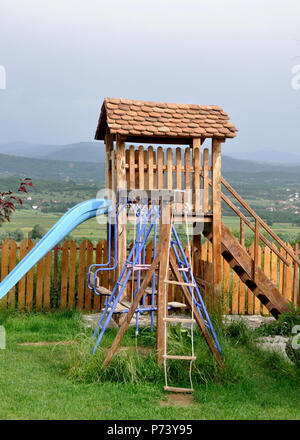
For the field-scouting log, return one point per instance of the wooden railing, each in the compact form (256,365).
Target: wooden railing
(259,223)
(169,169)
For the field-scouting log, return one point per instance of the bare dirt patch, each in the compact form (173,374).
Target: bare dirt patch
(178,399)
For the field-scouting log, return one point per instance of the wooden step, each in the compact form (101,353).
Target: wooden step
(179,283)
(119,308)
(263,288)
(192,321)
(176,305)
(103,291)
(149,291)
(125,303)
(99,289)
(178,389)
(173,356)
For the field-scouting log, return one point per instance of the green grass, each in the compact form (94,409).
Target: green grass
(59,381)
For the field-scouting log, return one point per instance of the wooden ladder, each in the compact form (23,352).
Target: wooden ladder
(167,356)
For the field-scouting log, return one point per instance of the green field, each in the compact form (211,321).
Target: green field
(25,219)
(287,231)
(48,380)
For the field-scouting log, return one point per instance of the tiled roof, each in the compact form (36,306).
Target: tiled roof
(162,120)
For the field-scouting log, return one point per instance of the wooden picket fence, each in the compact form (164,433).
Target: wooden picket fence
(59,280)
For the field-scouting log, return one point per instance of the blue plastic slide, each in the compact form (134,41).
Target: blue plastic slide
(74,217)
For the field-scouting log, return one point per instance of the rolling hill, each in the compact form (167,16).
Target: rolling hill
(77,152)
(63,170)
(55,170)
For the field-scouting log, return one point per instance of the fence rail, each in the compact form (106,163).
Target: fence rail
(59,280)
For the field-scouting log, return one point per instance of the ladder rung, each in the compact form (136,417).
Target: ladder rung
(173,356)
(178,390)
(180,283)
(192,321)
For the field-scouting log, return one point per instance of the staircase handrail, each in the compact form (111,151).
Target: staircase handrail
(259,222)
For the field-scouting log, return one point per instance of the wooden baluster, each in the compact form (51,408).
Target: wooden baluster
(160,168)
(256,250)
(205,180)
(242,232)
(150,168)
(169,169)
(131,168)
(141,168)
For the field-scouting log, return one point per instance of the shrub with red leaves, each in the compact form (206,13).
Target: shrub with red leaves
(8,199)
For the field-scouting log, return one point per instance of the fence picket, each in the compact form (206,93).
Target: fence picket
(72,274)
(250,295)
(257,303)
(235,294)
(47,281)
(39,285)
(81,274)
(89,262)
(73,290)
(64,274)
(267,270)
(22,285)
(12,264)
(4,269)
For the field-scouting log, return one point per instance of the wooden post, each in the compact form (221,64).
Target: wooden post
(109,145)
(216,223)
(110,185)
(121,185)
(165,227)
(205,180)
(197,203)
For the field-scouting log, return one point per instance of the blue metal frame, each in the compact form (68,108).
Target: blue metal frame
(147,219)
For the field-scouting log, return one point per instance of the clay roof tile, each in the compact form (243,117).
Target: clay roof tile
(144,118)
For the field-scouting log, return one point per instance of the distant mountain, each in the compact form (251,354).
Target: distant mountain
(78,152)
(62,170)
(268,156)
(95,152)
(57,170)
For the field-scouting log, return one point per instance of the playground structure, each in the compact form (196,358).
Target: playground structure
(148,186)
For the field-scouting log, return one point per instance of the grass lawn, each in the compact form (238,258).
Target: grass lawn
(58,382)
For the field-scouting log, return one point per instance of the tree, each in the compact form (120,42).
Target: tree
(36,232)
(8,199)
(17,235)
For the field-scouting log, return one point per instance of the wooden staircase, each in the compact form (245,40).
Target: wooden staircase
(243,264)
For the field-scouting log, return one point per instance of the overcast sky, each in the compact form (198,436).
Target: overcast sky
(62,57)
